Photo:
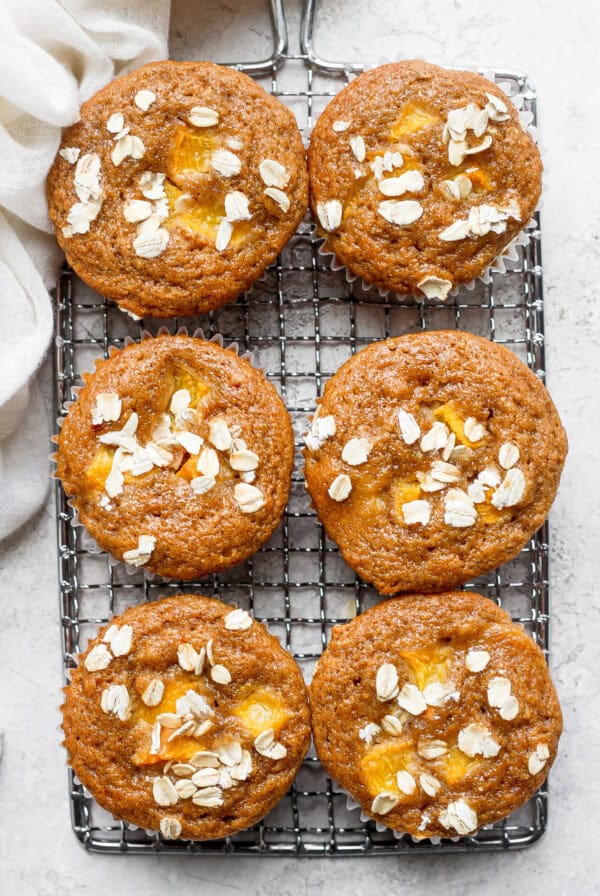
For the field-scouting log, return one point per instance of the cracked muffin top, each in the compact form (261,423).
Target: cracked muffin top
(186,716)
(432,458)
(421,176)
(177,187)
(178,456)
(436,713)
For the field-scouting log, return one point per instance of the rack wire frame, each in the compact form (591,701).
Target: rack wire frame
(301,321)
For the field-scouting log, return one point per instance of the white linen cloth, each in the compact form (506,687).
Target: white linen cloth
(53,56)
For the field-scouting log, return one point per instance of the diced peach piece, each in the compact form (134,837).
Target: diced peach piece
(456,765)
(182,747)
(428,664)
(197,388)
(98,470)
(480,179)
(413,118)
(191,151)
(404,492)
(382,763)
(449,415)
(189,469)
(261,710)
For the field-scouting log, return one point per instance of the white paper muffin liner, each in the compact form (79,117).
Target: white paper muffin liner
(502,264)
(353,806)
(75,521)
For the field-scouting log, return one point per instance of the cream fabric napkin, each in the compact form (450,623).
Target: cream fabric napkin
(53,56)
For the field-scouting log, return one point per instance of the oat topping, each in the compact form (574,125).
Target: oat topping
(70,154)
(164,791)
(477,660)
(203,117)
(387,162)
(170,828)
(115,700)
(432,749)
(357,145)
(189,441)
(339,126)
(330,214)
(415,512)
(273,174)
(384,803)
(409,182)
(508,455)
(153,693)
(386,682)
(481,220)
(500,697)
(137,210)
(430,784)
(459,816)
(435,287)
(437,694)
(238,620)
(445,472)
(140,555)
(226,163)
(322,428)
(208,463)
(511,490)
(400,212)
(538,759)
(392,725)
(243,460)
(115,123)
(435,438)
(119,639)
(107,408)
(144,99)
(406,783)
(236,206)
(219,433)
(459,187)
(249,498)
(86,181)
(411,699)
(278,196)
(409,428)
(266,745)
(356,452)
(369,733)
(476,740)
(340,488)
(459,509)
(151,185)
(224,234)
(98,658)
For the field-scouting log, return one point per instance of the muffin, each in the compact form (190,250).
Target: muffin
(436,713)
(439,469)
(177,187)
(186,716)
(178,456)
(421,176)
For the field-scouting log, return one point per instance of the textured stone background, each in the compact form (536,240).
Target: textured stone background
(554,42)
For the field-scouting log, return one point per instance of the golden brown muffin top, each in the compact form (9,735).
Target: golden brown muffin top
(436,713)
(178,456)
(421,176)
(186,716)
(432,458)
(177,187)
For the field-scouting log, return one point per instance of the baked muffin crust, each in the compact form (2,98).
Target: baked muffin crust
(186,716)
(178,456)
(178,186)
(421,176)
(436,713)
(433,458)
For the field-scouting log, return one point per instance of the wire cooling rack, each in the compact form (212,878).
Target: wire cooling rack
(301,321)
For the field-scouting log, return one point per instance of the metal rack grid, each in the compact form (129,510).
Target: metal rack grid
(301,321)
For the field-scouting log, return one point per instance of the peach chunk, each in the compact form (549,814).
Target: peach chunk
(382,763)
(260,710)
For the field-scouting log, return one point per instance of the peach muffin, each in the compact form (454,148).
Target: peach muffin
(178,456)
(421,176)
(186,716)
(177,187)
(433,458)
(436,713)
